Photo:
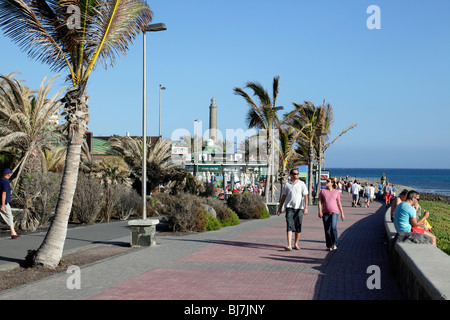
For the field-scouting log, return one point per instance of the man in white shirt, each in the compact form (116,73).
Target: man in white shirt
(295,195)
(354,190)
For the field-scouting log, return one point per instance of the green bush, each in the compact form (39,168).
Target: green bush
(248,206)
(225,215)
(187,214)
(211,222)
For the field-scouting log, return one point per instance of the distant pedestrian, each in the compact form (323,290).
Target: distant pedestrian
(329,209)
(354,190)
(372,193)
(295,195)
(5,193)
(387,194)
(366,195)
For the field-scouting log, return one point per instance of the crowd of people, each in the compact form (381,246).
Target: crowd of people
(367,192)
(404,207)
(256,189)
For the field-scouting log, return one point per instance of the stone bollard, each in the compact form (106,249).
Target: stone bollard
(143,232)
(272,207)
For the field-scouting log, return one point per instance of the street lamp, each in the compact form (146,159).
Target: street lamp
(160,88)
(150,28)
(195,147)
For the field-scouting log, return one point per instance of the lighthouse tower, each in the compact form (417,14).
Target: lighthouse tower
(213,120)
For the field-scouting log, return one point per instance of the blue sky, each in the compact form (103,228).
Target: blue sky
(393,82)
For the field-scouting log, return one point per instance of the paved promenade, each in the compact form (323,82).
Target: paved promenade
(244,262)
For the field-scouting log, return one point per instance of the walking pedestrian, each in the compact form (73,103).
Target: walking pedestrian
(372,193)
(5,193)
(387,194)
(295,195)
(329,208)
(354,190)
(366,195)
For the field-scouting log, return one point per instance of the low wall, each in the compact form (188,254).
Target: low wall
(421,268)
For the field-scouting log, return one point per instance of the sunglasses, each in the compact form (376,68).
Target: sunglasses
(294,173)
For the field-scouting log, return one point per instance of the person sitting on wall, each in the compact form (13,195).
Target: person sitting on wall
(405,216)
(397,200)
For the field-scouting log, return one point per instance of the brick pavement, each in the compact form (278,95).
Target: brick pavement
(244,262)
(253,265)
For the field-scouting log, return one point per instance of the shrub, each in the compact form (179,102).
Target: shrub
(111,197)
(87,200)
(225,215)
(130,203)
(210,189)
(38,196)
(248,206)
(211,222)
(187,214)
(161,204)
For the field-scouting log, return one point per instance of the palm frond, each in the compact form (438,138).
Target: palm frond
(27,23)
(113,28)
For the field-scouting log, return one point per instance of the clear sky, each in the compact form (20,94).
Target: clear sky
(393,82)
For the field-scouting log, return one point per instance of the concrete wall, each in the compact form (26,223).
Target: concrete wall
(421,269)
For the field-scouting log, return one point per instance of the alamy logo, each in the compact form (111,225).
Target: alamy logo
(74,21)
(374,21)
(374,281)
(74,280)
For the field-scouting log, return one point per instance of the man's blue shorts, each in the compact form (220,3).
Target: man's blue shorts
(294,218)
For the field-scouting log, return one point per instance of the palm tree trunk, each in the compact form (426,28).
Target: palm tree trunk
(269,170)
(50,252)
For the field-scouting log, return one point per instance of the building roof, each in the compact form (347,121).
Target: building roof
(100,147)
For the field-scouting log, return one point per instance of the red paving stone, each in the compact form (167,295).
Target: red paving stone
(194,284)
(252,265)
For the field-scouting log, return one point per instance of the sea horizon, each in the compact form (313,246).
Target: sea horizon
(435,181)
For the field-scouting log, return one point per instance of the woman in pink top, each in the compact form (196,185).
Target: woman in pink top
(329,208)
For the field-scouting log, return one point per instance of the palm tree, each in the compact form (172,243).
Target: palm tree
(111,171)
(316,123)
(309,120)
(105,29)
(288,157)
(158,158)
(25,123)
(262,115)
(321,145)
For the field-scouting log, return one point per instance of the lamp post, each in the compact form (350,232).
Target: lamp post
(195,147)
(150,28)
(160,88)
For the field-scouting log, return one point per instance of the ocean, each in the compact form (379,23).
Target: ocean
(435,181)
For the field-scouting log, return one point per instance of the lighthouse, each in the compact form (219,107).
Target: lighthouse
(213,120)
